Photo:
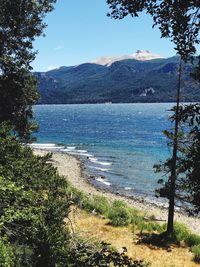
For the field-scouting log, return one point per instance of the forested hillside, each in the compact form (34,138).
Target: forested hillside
(125,81)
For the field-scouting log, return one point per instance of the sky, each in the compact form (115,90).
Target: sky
(80,31)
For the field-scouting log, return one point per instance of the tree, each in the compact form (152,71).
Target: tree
(189,163)
(34,203)
(20,23)
(179,21)
(187,183)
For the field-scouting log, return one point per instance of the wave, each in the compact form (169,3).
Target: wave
(103,181)
(104,163)
(73,151)
(46,146)
(81,151)
(98,168)
(128,188)
(93,159)
(42,145)
(66,150)
(85,154)
(71,147)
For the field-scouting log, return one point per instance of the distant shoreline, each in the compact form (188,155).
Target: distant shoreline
(114,103)
(73,169)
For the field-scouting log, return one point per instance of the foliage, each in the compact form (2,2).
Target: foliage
(6,253)
(150,227)
(136,218)
(84,255)
(181,232)
(97,204)
(119,214)
(20,24)
(192,240)
(188,162)
(35,202)
(196,72)
(117,211)
(196,251)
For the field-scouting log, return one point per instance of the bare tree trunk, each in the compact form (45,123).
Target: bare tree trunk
(170,223)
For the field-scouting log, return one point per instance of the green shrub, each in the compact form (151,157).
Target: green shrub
(119,214)
(101,205)
(86,254)
(196,251)
(181,232)
(192,240)
(151,227)
(34,203)
(137,220)
(119,204)
(6,254)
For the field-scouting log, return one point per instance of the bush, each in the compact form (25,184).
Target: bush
(35,202)
(6,254)
(192,240)
(181,232)
(85,254)
(196,251)
(97,204)
(101,205)
(150,227)
(119,214)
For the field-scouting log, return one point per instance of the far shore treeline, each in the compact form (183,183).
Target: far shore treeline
(124,81)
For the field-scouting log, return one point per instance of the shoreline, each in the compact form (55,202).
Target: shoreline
(72,167)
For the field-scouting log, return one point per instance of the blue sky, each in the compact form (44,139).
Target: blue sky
(79,31)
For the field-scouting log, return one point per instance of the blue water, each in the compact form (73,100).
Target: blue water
(119,143)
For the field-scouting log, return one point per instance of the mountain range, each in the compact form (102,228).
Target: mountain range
(138,77)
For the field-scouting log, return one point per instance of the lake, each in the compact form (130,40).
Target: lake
(118,143)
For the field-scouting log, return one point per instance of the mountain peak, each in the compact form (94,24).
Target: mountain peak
(141,55)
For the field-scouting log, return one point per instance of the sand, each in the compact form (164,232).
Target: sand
(72,168)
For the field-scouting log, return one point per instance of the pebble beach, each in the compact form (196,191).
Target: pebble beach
(72,168)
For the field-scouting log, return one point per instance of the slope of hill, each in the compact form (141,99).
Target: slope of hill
(123,81)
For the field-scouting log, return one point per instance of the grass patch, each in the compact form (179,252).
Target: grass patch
(181,232)
(95,204)
(192,240)
(196,251)
(120,214)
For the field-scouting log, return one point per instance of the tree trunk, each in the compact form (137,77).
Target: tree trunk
(170,223)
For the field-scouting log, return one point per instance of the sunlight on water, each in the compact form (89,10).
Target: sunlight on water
(119,143)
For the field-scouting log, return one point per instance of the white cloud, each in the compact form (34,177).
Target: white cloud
(59,47)
(52,67)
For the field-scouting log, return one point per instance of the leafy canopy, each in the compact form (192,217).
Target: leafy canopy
(21,22)
(179,20)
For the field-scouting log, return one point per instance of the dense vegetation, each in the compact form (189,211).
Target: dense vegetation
(20,24)
(35,203)
(126,81)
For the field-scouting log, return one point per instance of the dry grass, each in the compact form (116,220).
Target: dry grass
(92,226)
